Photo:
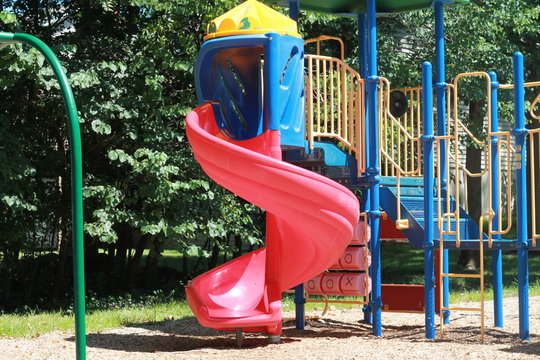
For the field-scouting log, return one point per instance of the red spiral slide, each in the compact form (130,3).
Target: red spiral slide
(310,221)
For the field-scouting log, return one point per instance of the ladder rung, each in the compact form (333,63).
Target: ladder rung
(461,309)
(477,276)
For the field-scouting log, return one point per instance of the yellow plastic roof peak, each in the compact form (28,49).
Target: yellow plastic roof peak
(251,17)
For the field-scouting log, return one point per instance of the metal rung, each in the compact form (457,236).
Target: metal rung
(337,301)
(476,276)
(461,309)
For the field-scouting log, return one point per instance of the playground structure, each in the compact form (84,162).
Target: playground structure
(248,77)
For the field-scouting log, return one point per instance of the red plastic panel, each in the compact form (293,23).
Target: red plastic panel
(389,230)
(361,235)
(336,283)
(399,297)
(353,258)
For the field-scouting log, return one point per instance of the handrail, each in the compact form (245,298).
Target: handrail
(76,179)
(458,166)
(334,105)
(533,144)
(322,38)
(535,103)
(398,134)
(387,120)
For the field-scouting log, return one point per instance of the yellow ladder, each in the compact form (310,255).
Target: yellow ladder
(443,275)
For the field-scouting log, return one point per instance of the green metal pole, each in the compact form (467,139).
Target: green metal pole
(76,180)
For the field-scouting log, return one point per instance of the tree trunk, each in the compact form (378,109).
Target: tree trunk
(214,257)
(141,242)
(63,252)
(238,244)
(11,259)
(152,261)
(469,259)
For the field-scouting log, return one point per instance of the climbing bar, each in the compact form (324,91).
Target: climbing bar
(337,301)
(462,309)
(475,276)
(527,85)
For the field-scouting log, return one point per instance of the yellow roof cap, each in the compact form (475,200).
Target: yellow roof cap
(251,17)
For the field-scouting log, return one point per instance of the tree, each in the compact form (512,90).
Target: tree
(130,67)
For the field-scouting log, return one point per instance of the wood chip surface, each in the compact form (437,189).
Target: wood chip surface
(340,334)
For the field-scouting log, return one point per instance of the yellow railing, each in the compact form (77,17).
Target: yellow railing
(458,133)
(334,105)
(400,146)
(318,40)
(400,138)
(534,157)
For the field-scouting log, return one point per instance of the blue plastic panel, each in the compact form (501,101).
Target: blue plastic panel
(255,83)
(228,74)
(284,79)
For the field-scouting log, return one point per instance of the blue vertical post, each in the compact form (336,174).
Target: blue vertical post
(496,255)
(362,70)
(299,298)
(520,133)
(440,88)
(362,46)
(294,8)
(373,170)
(300,301)
(428,139)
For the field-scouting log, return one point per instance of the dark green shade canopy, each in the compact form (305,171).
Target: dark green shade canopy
(359,6)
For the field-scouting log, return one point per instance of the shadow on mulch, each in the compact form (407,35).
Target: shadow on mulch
(182,335)
(525,347)
(187,335)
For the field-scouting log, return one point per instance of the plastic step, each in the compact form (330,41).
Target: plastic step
(404,181)
(302,158)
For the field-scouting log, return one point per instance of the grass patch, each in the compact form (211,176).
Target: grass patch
(400,264)
(30,325)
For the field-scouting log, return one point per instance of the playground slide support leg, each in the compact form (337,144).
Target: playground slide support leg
(373,170)
(496,255)
(300,301)
(428,139)
(520,133)
(362,70)
(76,180)
(440,88)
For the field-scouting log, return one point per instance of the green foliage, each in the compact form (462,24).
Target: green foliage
(130,64)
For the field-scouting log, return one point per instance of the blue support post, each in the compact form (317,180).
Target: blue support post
(299,298)
(428,139)
(294,8)
(362,46)
(300,301)
(362,70)
(440,88)
(520,133)
(496,255)
(373,170)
